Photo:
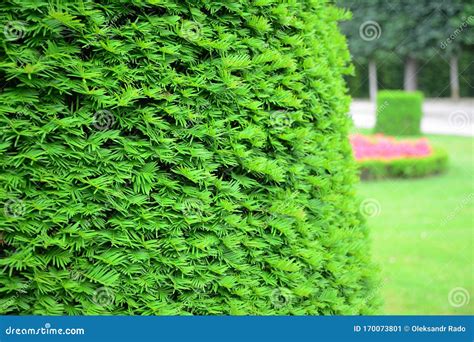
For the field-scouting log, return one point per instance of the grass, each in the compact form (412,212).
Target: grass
(423,236)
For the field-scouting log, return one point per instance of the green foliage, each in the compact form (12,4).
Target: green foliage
(366,27)
(399,112)
(397,29)
(435,163)
(430,31)
(418,28)
(178,157)
(433,78)
(465,23)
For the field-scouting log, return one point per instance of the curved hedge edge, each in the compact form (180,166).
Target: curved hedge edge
(178,158)
(435,163)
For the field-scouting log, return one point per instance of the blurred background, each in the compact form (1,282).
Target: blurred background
(421,222)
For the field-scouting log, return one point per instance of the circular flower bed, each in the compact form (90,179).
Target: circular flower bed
(380,156)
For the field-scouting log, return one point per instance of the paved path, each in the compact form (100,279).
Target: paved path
(441,116)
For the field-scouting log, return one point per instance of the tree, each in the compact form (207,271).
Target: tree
(416,30)
(365,34)
(459,39)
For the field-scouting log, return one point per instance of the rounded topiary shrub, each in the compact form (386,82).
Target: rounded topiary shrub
(177,157)
(399,112)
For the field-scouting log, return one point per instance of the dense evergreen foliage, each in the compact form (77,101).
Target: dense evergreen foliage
(399,112)
(177,157)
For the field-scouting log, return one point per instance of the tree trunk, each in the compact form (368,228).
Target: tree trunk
(373,80)
(454,77)
(410,82)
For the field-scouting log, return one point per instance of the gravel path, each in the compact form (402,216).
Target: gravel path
(441,116)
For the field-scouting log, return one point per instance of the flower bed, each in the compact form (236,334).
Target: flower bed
(380,156)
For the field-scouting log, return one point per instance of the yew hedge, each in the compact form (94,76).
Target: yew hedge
(178,157)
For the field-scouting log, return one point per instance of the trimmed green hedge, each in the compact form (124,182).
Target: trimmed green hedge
(435,163)
(178,157)
(399,112)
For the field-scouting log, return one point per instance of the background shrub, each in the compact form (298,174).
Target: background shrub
(177,158)
(435,163)
(399,112)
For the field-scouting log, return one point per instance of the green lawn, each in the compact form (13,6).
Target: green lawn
(423,236)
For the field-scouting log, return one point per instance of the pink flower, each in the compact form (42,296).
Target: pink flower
(380,147)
